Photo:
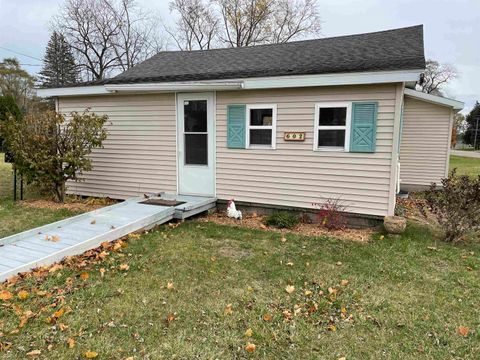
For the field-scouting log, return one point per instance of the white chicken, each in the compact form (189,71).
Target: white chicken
(232,211)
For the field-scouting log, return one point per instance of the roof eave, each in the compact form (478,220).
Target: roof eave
(335,79)
(435,99)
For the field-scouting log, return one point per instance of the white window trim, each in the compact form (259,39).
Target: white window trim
(347,126)
(273,127)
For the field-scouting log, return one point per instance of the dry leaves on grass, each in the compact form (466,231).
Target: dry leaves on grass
(76,205)
(250,347)
(228,310)
(90,355)
(463,331)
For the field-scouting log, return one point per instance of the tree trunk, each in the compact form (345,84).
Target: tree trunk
(59,192)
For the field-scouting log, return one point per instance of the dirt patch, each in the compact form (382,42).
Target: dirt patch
(254,221)
(234,253)
(77,205)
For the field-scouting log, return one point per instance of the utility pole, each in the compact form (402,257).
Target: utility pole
(476,132)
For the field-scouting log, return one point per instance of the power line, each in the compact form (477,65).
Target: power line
(19,53)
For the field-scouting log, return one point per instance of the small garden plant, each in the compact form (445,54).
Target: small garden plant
(282,220)
(456,205)
(331,213)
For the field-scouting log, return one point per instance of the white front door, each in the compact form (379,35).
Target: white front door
(196,144)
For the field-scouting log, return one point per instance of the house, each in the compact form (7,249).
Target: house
(281,125)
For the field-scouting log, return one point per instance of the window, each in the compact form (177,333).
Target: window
(195,132)
(261,126)
(332,126)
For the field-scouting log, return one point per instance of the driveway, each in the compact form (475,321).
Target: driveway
(470,154)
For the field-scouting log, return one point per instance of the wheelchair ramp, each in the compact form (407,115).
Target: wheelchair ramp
(50,243)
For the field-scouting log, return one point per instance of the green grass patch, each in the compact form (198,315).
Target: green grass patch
(15,217)
(465,165)
(405,300)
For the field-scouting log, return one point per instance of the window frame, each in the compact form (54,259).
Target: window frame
(272,127)
(346,127)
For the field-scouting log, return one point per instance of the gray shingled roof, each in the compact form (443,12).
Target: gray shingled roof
(399,49)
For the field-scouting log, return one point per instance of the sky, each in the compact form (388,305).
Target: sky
(452,30)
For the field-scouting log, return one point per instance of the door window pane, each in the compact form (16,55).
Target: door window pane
(196,149)
(331,138)
(195,115)
(333,116)
(261,117)
(260,137)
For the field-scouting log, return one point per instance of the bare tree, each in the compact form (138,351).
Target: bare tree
(90,28)
(436,76)
(196,27)
(253,22)
(294,18)
(137,38)
(107,35)
(246,22)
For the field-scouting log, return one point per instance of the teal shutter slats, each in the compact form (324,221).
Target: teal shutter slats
(236,126)
(364,127)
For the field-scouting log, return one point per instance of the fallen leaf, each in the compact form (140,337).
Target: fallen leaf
(228,310)
(283,239)
(339,263)
(289,263)
(250,347)
(170,317)
(250,289)
(5,295)
(382,237)
(22,294)
(290,289)
(463,330)
(344,282)
(267,317)
(469,268)
(70,343)
(170,286)
(433,248)
(34,353)
(90,355)
(102,272)
(55,238)
(308,293)
(124,267)
(55,267)
(57,314)
(332,328)
(93,222)
(249,332)
(84,276)
(134,236)
(342,358)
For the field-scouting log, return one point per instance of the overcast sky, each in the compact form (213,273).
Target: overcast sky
(452,30)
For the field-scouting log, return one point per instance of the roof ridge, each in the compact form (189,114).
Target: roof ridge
(293,42)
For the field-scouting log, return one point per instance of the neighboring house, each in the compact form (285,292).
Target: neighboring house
(227,123)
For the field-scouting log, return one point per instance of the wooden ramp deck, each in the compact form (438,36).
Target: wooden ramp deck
(50,243)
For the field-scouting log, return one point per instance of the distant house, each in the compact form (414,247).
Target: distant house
(272,125)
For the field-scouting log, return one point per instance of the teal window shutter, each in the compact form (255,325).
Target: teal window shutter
(236,126)
(363,131)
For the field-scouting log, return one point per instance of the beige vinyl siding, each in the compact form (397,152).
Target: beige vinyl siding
(139,154)
(295,175)
(425,143)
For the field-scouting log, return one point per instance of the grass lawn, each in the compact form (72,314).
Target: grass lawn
(465,165)
(402,301)
(15,217)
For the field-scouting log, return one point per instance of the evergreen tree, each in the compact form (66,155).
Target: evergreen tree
(59,66)
(471,119)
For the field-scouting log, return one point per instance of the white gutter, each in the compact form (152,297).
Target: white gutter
(434,99)
(73,91)
(360,78)
(174,86)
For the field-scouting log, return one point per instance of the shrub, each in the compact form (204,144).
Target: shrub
(331,213)
(456,205)
(282,220)
(49,150)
